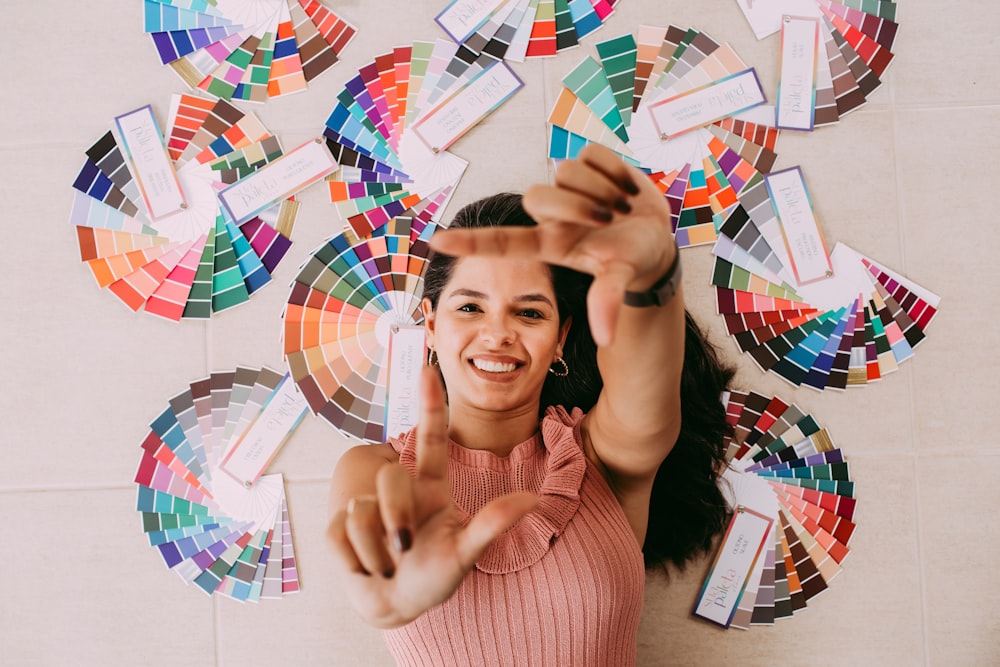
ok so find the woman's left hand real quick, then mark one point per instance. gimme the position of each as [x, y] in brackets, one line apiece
[602, 217]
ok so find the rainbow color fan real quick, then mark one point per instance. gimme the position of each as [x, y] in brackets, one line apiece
[793, 507]
[246, 49]
[823, 320]
[852, 41]
[205, 506]
[685, 109]
[346, 304]
[155, 218]
[516, 29]
[393, 122]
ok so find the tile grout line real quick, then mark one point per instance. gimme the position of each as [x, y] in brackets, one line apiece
[911, 389]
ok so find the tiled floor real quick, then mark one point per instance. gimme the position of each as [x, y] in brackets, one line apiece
[903, 180]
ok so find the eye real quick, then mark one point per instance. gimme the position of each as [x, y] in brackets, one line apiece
[532, 314]
[469, 308]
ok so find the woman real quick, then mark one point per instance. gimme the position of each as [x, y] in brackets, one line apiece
[489, 536]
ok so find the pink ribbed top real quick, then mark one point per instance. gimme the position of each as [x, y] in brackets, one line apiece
[562, 587]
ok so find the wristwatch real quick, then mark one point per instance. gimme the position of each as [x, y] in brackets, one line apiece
[663, 290]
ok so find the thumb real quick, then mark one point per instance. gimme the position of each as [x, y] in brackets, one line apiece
[604, 302]
[491, 521]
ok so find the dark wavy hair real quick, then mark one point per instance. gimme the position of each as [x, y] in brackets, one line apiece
[686, 507]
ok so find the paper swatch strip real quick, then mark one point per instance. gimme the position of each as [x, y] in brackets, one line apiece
[246, 49]
[393, 122]
[825, 321]
[519, 29]
[793, 498]
[346, 302]
[218, 533]
[157, 217]
[685, 108]
[854, 49]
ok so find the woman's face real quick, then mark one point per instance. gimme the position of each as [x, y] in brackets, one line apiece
[496, 333]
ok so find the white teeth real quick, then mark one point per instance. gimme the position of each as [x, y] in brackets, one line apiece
[493, 366]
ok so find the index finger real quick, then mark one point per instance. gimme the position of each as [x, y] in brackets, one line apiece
[609, 163]
[432, 429]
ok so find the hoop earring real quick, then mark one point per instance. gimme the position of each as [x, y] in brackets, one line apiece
[562, 372]
[432, 357]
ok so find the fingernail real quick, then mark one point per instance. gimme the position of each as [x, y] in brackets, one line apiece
[404, 540]
[623, 206]
[388, 574]
[601, 214]
[630, 187]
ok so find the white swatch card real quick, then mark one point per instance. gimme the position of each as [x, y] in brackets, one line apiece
[407, 351]
[705, 105]
[292, 172]
[738, 556]
[142, 141]
[804, 242]
[764, 16]
[461, 18]
[796, 103]
[460, 111]
[250, 454]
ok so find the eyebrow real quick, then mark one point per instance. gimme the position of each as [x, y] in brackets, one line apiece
[522, 298]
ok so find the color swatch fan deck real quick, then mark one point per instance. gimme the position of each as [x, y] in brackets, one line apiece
[246, 49]
[845, 48]
[815, 318]
[205, 505]
[682, 107]
[346, 309]
[519, 29]
[156, 216]
[393, 122]
[794, 503]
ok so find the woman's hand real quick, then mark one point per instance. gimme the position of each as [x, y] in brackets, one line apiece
[601, 217]
[403, 550]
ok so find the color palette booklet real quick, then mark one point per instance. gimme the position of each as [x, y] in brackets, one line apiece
[192, 221]
[353, 308]
[519, 29]
[246, 49]
[833, 54]
[794, 505]
[825, 320]
[393, 123]
[205, 505]
[684, 108]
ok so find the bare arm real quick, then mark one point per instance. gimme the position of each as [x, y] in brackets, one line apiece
[607, 219]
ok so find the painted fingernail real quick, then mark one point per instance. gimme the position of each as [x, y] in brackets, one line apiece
[404, 540]
[600, 214]
[623, 206]
[630, 187]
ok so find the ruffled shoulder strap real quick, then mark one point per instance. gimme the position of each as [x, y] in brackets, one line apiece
[560, 454]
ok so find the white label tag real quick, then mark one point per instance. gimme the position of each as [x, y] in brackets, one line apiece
[407, 351]
[278, 180]
[807, 251]
[468, 105]
[796, 104]
[142, 140]
[707, 104]
[250, 453]
[741, 547]
[461, 18]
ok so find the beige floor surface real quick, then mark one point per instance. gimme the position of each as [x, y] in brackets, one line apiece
[907, 180]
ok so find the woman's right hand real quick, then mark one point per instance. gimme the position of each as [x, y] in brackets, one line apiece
[403, 549]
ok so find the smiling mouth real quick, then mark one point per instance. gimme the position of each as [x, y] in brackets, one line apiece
[493, 366]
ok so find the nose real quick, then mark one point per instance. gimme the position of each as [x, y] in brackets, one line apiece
[497, 330]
